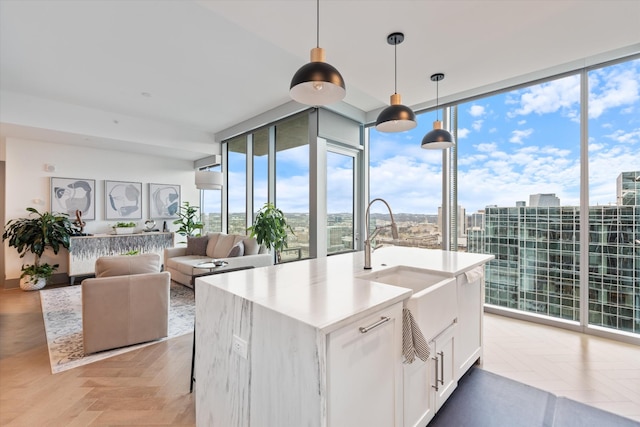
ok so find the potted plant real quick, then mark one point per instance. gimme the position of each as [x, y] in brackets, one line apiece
[124, 227]
[188, 220]
[35, 234]
[270, 229]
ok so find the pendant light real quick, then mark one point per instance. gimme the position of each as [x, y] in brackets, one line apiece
[438, 138]
[317, 83]
[208, 180]
[396, 117]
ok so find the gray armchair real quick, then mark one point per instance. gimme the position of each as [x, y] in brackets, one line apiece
[126, 303]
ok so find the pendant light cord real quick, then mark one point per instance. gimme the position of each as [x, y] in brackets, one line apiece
[395, 69]
[437, 97]
[317, 23]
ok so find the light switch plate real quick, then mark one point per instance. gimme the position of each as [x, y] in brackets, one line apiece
[240, 347]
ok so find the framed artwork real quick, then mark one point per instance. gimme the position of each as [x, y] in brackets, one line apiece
[69, 195]
[164, 201]
[122, 200]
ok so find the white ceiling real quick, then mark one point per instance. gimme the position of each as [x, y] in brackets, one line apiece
[209, 65]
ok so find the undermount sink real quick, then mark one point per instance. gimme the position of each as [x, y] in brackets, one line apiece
[413, 278]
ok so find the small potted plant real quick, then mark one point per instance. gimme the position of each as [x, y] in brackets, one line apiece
[35, 234]
[124, 227]
[270, 229]
[188, 220]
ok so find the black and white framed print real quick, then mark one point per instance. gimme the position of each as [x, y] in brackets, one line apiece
[123, 200]
[69, 195]
[164, 201]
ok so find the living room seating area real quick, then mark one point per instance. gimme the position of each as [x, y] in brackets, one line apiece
[234, 250]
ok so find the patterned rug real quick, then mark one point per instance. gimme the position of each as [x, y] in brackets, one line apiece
[62, 312]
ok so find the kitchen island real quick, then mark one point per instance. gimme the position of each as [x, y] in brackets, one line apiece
[308, 343]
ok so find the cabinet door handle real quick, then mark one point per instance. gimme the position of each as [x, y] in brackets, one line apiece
[365, 329]
[436, 378]
[441, 367]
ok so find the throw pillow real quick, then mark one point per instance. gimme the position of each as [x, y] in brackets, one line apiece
[236, 250]
[251, 246]
[197, 245]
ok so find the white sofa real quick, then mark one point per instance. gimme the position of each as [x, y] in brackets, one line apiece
[236, 250]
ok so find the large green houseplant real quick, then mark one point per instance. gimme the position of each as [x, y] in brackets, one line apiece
[270, 229]
[35, 234]
[189, 220]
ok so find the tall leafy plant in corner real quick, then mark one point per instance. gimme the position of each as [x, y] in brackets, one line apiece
[189, 220]
[35, 234]
[270, 228]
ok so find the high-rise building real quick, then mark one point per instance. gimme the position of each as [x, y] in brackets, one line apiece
[628, 188]
[541, 200]
[537, 264]
[462, 223]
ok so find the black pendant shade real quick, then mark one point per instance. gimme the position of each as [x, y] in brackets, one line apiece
[396, 117]
[317, 83]
[438, 138]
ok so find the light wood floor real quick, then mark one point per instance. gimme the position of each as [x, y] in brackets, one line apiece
[150, 386]
[592, 370]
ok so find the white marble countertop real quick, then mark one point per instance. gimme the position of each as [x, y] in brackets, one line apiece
[327, 293]
[447, 262]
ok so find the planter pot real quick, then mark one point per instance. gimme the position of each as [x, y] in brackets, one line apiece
[26, 284]
[124, 230]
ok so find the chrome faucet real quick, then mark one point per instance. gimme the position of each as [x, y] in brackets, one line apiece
[367, 242]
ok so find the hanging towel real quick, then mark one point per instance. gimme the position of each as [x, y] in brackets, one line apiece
[413, 342]
[475, 274]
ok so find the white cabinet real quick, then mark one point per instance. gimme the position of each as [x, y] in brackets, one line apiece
[470, 304]
[427, 385]
[450, 317]
[364, 371]
[445, 381]
[419, 396]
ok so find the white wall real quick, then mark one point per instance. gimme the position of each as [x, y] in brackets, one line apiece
[28, 184]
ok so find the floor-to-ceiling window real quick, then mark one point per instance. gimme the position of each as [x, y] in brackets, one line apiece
[292, 182]
[614, 196]
[519, 166]
[340, 199]
[409, 178]
[211, 208]
[237, 185]
[522, 194]
[260, 169]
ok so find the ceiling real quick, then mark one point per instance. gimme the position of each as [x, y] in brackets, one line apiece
[172, 76]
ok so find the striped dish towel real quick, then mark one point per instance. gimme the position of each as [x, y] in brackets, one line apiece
[413, 342]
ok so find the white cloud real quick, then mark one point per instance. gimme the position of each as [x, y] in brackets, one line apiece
[486, 147]
[620, 88]
[522, 122]
[518, 135]
[408, 184]
[471, 160]
[477, 111]
[625, 137]
[477, 125]
[463, 133]
[562, 94]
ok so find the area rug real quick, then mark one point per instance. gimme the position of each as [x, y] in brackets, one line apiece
[62, 312]
[485, 399]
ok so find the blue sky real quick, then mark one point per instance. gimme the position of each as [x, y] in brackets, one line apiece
[519, 143]
[510, 146]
